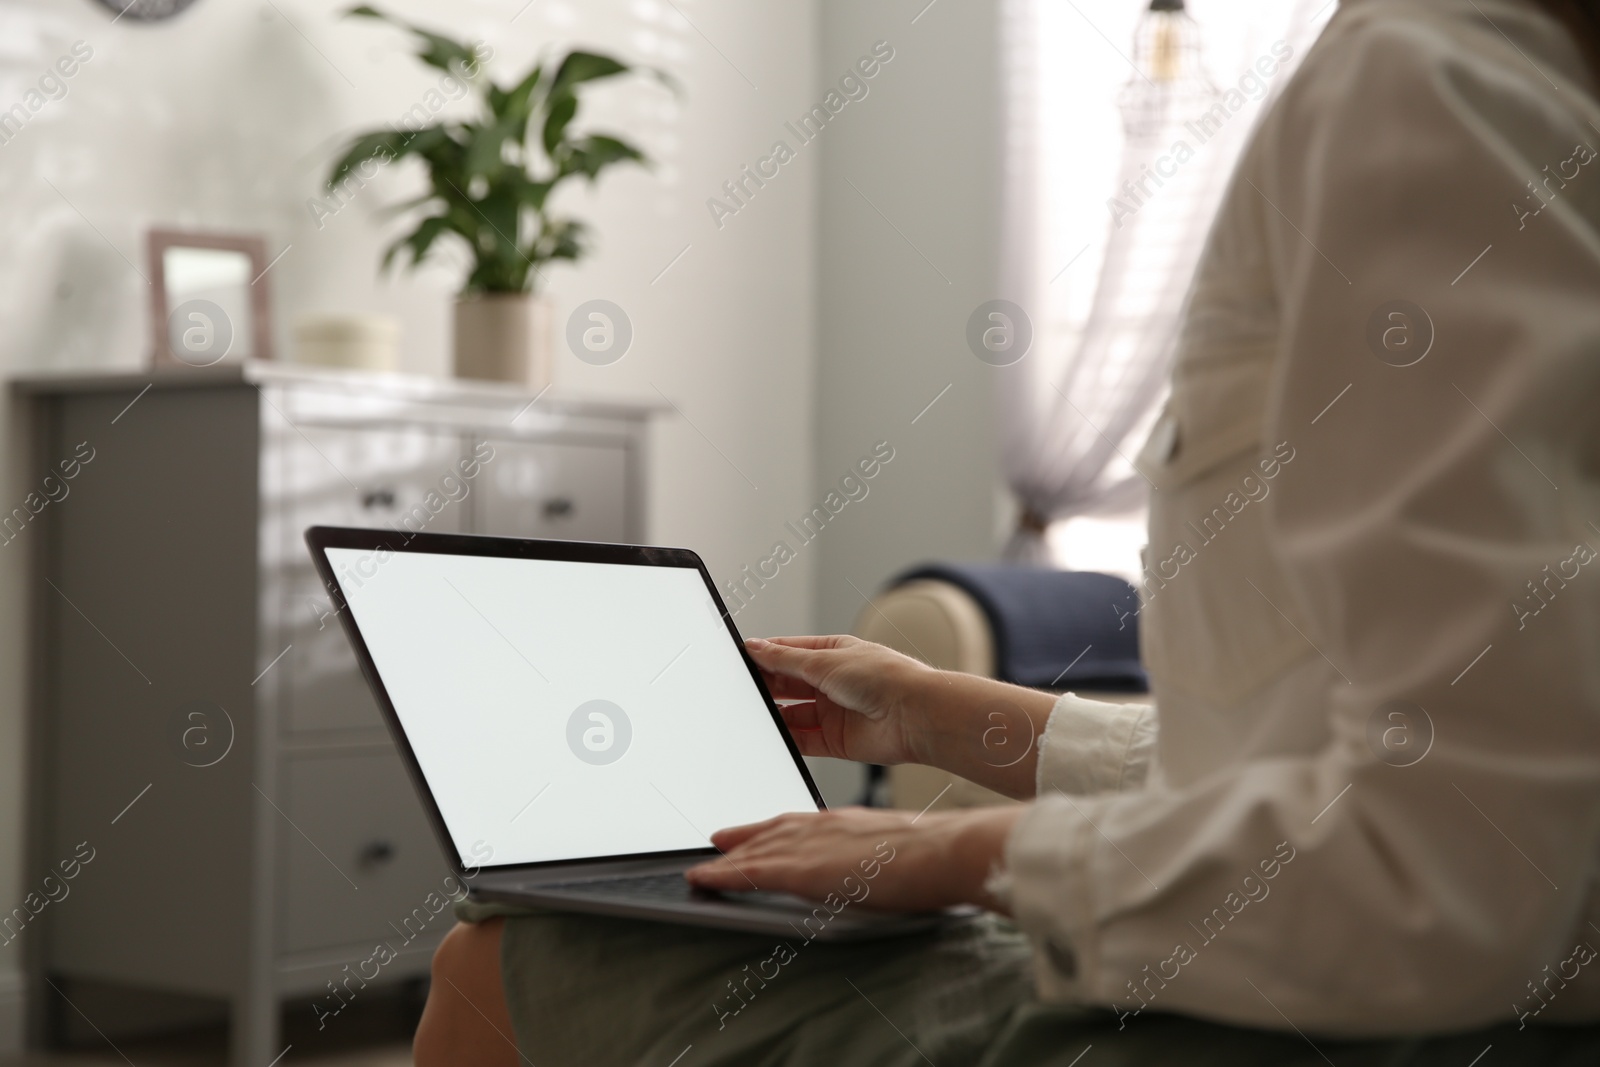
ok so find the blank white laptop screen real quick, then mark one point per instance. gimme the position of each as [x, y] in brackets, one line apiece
[563, 710]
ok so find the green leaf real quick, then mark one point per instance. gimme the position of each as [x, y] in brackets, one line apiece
[563, 107]
[517, 100]
[562, 239]
[595, 153]
[446, 154]
[436, 51]
[527, 192]
[427, 139]
[486, 151]
[385, 146]
[420, 240]
[444, 53]
[502, 210]
[582, 67]
[490, 220]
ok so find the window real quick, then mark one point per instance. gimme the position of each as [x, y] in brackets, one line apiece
[1118, 154]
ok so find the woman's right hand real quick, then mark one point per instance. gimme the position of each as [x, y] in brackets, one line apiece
[864, 702]
[858, 700]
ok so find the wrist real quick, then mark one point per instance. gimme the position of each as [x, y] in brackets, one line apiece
[927, 694]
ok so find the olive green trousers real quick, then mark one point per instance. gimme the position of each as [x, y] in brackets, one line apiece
[587, 991]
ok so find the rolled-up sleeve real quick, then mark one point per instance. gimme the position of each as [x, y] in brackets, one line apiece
[1438, 534]
[1094, 746]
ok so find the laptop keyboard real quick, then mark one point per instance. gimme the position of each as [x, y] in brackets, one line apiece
[652, 888]
[669, 888]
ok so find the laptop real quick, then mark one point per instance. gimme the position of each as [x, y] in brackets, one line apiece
[577, 719]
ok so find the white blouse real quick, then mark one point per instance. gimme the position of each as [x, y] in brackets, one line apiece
[1372, 614]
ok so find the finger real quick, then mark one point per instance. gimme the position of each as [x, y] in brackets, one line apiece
[757, 834]
[783, 687]
[812, 741]
[805, 729]
[802, 717]
[805, 664]
[814, 641]
[723, 875]
[734, 836]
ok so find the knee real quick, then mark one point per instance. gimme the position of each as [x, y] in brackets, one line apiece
[466, 1020]
[467, 951]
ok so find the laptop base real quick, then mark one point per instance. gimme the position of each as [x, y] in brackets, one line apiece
[661, 895]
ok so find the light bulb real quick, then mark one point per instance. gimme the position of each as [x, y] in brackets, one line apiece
[1164, 53]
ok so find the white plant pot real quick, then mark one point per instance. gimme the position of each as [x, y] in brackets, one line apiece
[505, 337]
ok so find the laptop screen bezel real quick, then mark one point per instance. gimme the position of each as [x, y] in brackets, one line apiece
[320, 538]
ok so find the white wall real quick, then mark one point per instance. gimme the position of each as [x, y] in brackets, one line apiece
[226, 119]
[909, 247]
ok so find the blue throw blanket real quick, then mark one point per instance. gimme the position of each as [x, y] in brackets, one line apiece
[1053, 629]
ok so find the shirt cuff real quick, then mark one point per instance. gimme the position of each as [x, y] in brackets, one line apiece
[1088, 747]
[1051, 896]
[1091, 746]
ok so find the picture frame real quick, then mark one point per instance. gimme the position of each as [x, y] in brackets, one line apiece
[209, 298]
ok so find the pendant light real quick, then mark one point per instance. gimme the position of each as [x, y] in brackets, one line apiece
[1170, 76]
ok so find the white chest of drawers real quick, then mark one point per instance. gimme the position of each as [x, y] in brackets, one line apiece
[196, 716]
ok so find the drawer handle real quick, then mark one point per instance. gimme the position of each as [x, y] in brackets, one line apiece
[376, 852]
[558, 507]
[378, 498]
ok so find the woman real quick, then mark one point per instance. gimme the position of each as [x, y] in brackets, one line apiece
[1372, 807]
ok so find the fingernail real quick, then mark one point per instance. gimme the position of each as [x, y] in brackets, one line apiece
[756, 643]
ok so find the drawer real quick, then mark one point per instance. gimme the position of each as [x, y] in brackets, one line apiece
[359, 814]
[408, 478]
[576, 492]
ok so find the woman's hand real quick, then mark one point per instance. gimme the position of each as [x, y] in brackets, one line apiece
[864, 702]
[859, 701]
[883, 860]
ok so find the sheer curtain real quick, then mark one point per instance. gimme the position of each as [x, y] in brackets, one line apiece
[1115, 162]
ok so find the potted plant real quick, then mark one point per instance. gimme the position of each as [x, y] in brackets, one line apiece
[490, 181]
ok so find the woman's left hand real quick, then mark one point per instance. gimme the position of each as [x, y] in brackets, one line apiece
[884, 860]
